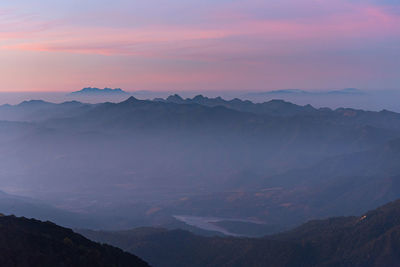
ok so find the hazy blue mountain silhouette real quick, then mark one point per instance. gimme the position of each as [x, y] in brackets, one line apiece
[183, 158]
[97, 91]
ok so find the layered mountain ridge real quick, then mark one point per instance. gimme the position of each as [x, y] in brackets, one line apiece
[144, 162]
[372, 239]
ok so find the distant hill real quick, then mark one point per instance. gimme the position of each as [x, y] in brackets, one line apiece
[297, 92]
[348, 91]
[97, 91]
[287, 91]
[39, 110]
[28, 242]
[372, 239]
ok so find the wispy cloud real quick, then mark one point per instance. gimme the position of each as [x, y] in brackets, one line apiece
[368, 21]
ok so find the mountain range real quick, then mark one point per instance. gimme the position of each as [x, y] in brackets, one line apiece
[149, 162]
[372, 239]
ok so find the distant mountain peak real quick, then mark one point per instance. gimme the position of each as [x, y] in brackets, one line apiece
[199, 97]
[175, 98]
[98, 91]
[131, 99]
[34, 103]
[237, 100]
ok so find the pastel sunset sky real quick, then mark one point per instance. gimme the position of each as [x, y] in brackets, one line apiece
[48, 45]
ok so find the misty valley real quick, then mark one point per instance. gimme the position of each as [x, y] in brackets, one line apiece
[215, 169]
[141, 162]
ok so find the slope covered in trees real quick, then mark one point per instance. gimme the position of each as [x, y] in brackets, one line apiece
[28, 242]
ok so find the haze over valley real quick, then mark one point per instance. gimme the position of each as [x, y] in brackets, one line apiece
[259, 168]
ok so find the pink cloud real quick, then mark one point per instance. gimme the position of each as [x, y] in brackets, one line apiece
[109, 41]
[231, 48]
[166, 40]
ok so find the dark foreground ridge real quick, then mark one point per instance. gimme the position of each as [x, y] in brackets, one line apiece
[370, 240]
[29, 242]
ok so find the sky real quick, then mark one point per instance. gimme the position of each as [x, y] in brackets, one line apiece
[166, 45]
